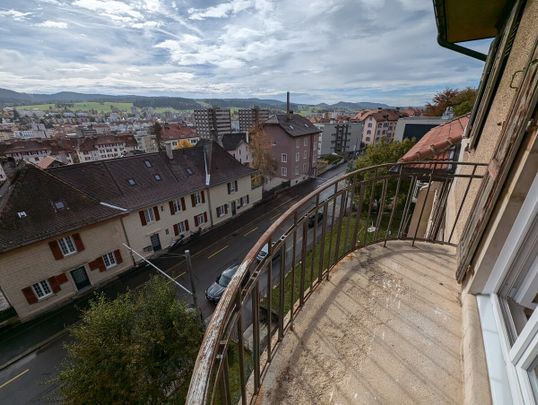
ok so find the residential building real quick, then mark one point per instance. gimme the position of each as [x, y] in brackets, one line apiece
[415, 126]
[442, 314]
[378, 124]
[178, 135]
[237, 146]
[342, 138]
[101, 147]
[211, 123]
[146, 142]
[56, 242]
[293, 146]
[34, 150]
[249, 117]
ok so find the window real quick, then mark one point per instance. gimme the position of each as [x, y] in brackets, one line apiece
[149, 215]
[110, 260]
[157, 177]
[21, 214]
[196, 198]
[296, 143]
[304, 168]
[200, 219]
[284, 158]
[243, 201]
[305, 142]
[42, 289]
[59, 205]
[183, 226]
[284, 171]
[304, 153]
[222, 210]
[296, 170]
[297, 156]
[367, 139]
[147, 163]
[175, 206]
[232, 187]
[131, 182]
[67, 246]
[369, 125]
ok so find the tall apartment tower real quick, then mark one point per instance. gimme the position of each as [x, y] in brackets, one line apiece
[248, 117]
[212, 123]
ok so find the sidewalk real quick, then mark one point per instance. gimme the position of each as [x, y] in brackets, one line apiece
[18, 340]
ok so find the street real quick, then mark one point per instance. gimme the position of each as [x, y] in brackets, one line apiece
[28, 380]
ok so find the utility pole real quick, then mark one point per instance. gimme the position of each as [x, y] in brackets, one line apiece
[193, 287]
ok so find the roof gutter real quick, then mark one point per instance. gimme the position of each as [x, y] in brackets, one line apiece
[461, 49]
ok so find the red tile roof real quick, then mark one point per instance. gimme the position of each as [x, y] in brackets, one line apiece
[438, 141]
[174, 131]
[379, 115]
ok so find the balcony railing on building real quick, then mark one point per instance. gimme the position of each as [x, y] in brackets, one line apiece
[416, 201]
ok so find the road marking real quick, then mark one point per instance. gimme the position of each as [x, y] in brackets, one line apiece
[217, 252]
[175, 278]
[252, 230]
[14, 378]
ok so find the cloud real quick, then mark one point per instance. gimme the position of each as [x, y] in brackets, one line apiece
[320, 50]
[53, 24]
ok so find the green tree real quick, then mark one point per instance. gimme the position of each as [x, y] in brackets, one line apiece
[460, 100]
[139, 348]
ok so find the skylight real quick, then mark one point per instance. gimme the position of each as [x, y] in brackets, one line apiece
[22, 214]
[131, 182]
[59, 205]
[147, 163]
[189, 171]
[157, 177]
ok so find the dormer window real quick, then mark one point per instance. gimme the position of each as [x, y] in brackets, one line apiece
[59, 205]
[131, 182]
[189, 171]
[21, 214]
[147, 163]
[157, 177]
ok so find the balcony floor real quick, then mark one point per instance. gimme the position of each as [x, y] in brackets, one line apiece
[386, 328]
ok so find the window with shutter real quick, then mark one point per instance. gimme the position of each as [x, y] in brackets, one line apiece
[78, 242]
[176, 229]
[183, 203]
[156, 213]
[29, 294]
[67, 245]
[142, 218]
[55, 249]
[42, 289]
[117, 255]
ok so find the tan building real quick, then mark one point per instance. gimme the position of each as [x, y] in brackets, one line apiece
[378, 124]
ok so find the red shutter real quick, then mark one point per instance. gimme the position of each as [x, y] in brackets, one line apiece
[62, 278]
[101, 264]
[142, 218]
[186, 224]
[78, 242]
[172, 209]
[193, 200]
[196, 221]
[236, 188]
[205, 216]
[176, 229]
[55, 248]
[94, 265]
[183, 203]
[117, 255]
[203, 196]
[54, 284]
[156, 212]
[229, 188]
[29, 295]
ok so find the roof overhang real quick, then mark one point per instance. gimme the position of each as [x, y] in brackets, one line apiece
[466, 20]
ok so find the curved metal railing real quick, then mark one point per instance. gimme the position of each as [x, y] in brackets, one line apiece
[416, 201]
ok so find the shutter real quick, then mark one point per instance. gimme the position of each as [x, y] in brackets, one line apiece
[236, 188]
[186, 224]
[156, 212]
[248, 199]
[61, 279]
[117, 256]
[226, 208]
[78, 242]
[193, 200]
[142, 218]
[176, 229]
[29, 294]
[172, 208]
[183, 203]
[196, 220]
[205, 216]
[55, 249]
[203, 196]
[94, 264]
[514, 130]
[54, 284]
[101, 264]
[229, 188]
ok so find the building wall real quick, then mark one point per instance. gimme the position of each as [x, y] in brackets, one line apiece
[22, 267]
[425, 124]
[219, 196]
[242, 153]
[326, 143]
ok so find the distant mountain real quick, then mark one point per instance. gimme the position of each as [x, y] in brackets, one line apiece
[13, 98]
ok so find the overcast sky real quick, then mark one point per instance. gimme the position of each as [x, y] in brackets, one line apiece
[319, 50]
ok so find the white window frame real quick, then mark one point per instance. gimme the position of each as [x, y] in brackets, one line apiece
[297, 156]
[149, 215]
[304, 154]
[40, 289]
[284, 157]
[296, 170]
[177, 205]
[181, 227]
[231, 186]
[222, 210]
[201, 219]
[284, 171]
[67, 246]
[197, 198]
[110, 260]
[305, 143]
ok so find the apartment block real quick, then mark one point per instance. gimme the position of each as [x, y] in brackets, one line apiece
[249, 117]
[341, 138]
[212, 123]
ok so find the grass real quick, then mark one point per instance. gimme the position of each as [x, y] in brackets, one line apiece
[234, 372]
[104, 107]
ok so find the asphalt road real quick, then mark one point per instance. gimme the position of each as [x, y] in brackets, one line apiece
[29, 380]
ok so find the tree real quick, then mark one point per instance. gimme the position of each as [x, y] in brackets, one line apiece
[260, 144]
[184, 143]
[460, 100]
[384, 152]
[139, 348]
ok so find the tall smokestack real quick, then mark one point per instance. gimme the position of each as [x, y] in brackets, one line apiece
[288, 112]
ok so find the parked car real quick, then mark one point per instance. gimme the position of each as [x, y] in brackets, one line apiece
[312, 219]
[215, 290]
[265, 250]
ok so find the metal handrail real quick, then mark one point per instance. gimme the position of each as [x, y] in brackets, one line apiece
[227, 327]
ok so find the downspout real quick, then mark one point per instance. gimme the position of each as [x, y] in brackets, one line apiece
[127, 240]
[208, 182]
[461, 49]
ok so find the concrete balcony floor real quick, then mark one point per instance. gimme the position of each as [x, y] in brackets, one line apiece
[385, 329]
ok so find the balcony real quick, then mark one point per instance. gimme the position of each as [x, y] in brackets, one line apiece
[356, 300]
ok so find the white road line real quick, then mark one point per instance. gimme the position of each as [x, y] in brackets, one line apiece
[14, 378]
[217, 252]
[252, 230]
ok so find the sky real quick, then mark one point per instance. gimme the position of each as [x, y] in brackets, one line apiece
[319, 50]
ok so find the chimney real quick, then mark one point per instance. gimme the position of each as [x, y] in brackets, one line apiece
[288, 112]
[169, 152]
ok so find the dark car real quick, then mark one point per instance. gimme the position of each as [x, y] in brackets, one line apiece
[312, 219]
[215, 290]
